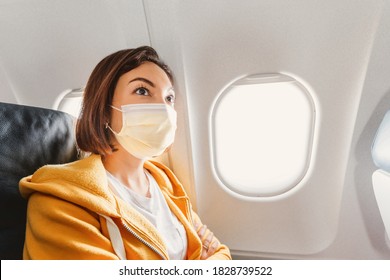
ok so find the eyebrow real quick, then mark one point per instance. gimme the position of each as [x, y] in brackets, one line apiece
[143, 80]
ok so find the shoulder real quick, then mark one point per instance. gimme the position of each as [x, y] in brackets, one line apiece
[80, 172]
[41, 205]
[83, 167]
[82, 182]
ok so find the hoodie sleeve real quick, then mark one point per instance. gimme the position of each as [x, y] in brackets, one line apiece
[60, 230]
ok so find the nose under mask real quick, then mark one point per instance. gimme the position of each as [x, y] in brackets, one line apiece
[147, 129]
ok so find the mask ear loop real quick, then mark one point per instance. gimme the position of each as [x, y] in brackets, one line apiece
[106, 125]
[113, 107]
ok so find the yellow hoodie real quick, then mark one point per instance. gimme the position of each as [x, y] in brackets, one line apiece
[68, 206]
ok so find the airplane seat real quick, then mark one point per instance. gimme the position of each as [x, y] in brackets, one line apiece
[30, 137]
[381, 177]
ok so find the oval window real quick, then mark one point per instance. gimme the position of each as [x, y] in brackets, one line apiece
[70, 102]
[261, 135]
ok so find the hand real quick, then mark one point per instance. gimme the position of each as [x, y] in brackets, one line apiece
[209, 242]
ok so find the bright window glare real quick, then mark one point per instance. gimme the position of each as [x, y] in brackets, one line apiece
[70, 102]
[262, 135]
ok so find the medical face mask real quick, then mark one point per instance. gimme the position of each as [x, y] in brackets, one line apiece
[147, 129]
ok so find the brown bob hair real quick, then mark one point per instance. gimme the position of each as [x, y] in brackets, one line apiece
[91, 133]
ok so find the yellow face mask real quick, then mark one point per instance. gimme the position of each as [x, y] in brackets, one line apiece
[147, 129]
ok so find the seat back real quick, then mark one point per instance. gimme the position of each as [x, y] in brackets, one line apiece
[30, 137]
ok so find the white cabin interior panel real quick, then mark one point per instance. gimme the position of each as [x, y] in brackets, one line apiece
[48, 46]
[326, 46]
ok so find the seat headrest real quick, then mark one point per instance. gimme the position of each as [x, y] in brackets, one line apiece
[380, 150]
[30, 137]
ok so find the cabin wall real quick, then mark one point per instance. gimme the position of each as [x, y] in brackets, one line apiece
[48, 46]
[360, 218]
[328, 48]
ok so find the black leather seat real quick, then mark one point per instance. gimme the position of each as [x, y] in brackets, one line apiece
[30, 137]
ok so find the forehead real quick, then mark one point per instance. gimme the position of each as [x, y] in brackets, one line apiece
[150, 71]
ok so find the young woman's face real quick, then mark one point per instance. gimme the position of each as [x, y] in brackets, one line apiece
[147, 83]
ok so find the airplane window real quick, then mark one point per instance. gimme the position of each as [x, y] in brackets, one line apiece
[70, 102]
[261, 135]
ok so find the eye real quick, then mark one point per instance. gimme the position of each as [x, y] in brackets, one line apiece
[142, 91]
[171, 98]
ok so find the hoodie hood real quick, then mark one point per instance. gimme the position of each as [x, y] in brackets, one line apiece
[83, 187]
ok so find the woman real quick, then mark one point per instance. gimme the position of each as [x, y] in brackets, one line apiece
[116, 203]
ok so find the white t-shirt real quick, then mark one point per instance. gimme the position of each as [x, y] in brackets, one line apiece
[157, 211]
